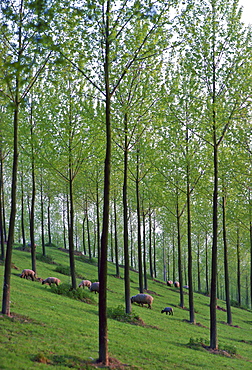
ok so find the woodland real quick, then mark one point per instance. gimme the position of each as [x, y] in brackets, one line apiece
[125, 134]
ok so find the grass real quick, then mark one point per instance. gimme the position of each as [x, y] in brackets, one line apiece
[56, 331]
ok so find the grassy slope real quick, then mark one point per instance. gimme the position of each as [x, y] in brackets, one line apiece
[65, 331]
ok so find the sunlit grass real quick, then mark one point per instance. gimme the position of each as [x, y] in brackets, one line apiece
[55, 331]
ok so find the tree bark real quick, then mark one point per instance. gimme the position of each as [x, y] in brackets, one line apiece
[228, 305]
[139, 241]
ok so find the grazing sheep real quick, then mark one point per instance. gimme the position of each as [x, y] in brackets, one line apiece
[27, 273]
[51, 280]
[176, 284]
[168, 310]
[94, 287]
[186, 287]
[142, 299]
[169, 282]
[85, 283]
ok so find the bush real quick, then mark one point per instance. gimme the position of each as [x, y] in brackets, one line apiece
[78, 294]
[65, 270]
[46, 259]
[119, 314]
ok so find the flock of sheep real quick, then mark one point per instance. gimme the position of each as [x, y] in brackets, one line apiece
[140, 298]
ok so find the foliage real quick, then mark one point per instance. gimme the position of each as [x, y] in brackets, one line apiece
[78, 294]
[118, 313]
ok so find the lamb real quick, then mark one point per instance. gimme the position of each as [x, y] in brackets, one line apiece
[168, 310]
[85, 283]
[94, 287]
[169, 282]
[176, 284]
[27, 273]
[51, 280]
[142, 299]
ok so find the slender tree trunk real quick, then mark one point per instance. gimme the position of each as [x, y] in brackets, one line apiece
[207, 278]
[89, 239]
[32, 213]
[111, 237]
[198, 264]
[22, 211]
[150, 245]
[1, 198]
[103, 327]
[42, 216]
[189, 241]
[139, 242]
[49, 221]
[71, 229]
[250, 263]
[178, 215]
[144, 254]
[238, 269]
[154, 248]
[10, 241]
[228, 305]
[116, 242]
[173, 257]
[125, 219]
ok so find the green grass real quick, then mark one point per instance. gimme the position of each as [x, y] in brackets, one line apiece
[54, 331]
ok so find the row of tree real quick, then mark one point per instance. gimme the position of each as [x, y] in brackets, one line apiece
[134, 118]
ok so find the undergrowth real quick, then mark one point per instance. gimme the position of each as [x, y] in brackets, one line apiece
[78, 294]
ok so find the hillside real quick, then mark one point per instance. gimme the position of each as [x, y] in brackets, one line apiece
[50, 331]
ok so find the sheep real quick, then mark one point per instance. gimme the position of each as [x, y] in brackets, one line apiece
[168, 310]
[94, 287]
[85, 283]
[51, 280]
[176, 284]
[27, 273]
[169, 282]
[186, 287]
[142, 299]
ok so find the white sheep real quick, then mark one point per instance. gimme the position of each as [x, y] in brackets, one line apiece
[85, 283]
[51, 280]
[26, 273]
[142, 299]
[176, 284]
[168, 310]
[95, 287]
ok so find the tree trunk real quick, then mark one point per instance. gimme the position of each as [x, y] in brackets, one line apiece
[238, 269]
[207, 278]
[189, 243]
[125, 220]
[32, 214]
[49, 221]
[103, 327]
[228, 305]
[22, 211]
[116, 242]
[178, 215]
[198, 264]
[150, 245]
[144, 254]
[139, 242]
[10, 241]
[89, 239]
[42, 216]
[71, 229]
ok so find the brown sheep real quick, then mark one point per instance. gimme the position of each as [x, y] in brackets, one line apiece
[51, 280]
[142, 299]
[84, 283]
[27, 273]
